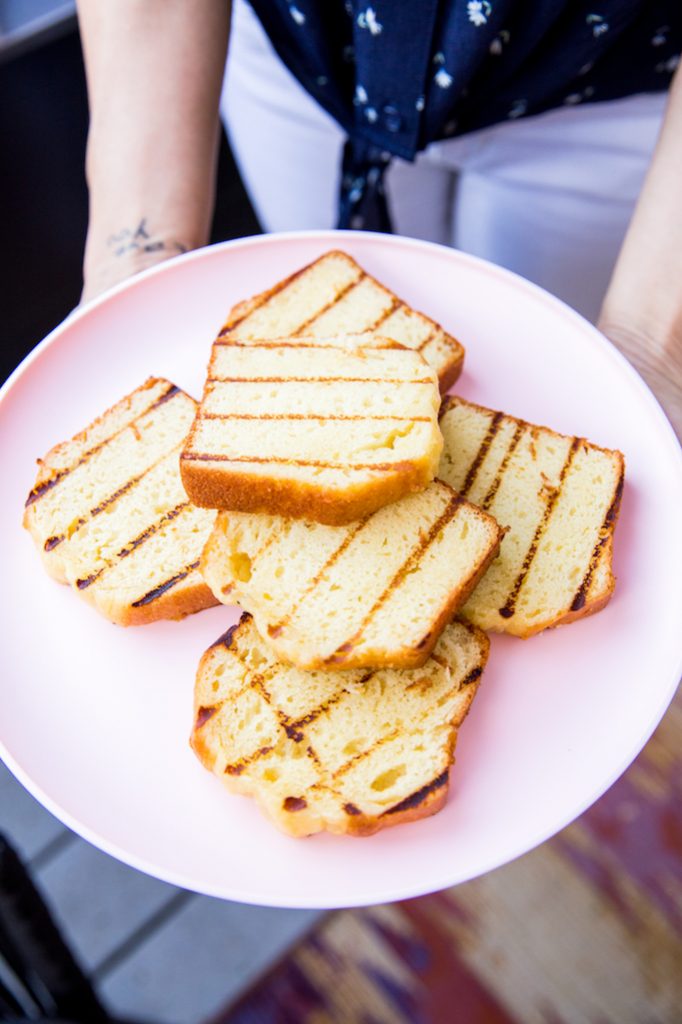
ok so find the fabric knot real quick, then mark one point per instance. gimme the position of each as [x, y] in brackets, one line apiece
[362, 200]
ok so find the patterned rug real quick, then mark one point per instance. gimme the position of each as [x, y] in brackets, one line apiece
[585, 929]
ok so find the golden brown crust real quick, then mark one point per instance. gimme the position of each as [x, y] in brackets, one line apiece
[301, 824]
[301, 819]
[447, 373]
[183, 600]
[208, 486]
[594, 599]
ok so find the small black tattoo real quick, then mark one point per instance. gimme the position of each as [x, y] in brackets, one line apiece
[140, 240]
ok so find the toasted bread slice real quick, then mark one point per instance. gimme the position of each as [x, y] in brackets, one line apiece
[558, 498]
[109, 515]
[375, 593]
[334, 295]
[318, 429]
[350, 752]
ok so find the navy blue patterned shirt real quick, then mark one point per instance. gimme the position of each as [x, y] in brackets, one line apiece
[399, 74]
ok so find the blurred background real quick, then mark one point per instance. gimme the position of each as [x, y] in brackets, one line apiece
[584, 929]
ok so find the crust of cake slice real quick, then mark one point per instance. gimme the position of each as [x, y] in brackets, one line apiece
[316, 440]
[209, 486]
[378, 592]
[349, 753]
[439, 348]
[558, 498]
[186, 597]
[109, 516]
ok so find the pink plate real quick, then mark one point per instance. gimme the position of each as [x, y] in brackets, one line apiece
[95, 719]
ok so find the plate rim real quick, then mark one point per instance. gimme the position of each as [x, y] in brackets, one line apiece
[252, 896]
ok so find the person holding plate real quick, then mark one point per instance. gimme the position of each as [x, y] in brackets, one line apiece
[545, 137]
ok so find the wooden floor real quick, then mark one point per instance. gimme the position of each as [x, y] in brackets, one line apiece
[586, 929]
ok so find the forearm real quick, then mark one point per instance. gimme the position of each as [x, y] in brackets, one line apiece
[642, 311]
[154, 71]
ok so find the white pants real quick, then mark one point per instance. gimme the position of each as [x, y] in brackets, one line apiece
[549, 197]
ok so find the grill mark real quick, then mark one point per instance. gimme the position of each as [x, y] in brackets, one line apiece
[475, 674]
[172, 390]
[429, 337]
[495, 486]
[257, 683]
[319, 380]
[52, 542]
[389, 311]
[167, 517]
[237, 767]
[157, 592]
[484, 447]
[351, 809]
[228, 636]
[280, 460]
[509, 607]
[261, 300]
[412, 559]
[296, 725]
[337, 298]
[415, 799]
[86, 581]
[578, 601]
[294, 803]
[275, 629]
[365, 753]
[293, 733]
[40, 489]
[305, 416]
[204, 714]
[313, 757]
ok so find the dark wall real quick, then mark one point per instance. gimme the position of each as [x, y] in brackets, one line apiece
[43, 204]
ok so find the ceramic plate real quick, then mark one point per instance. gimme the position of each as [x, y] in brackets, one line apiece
[95, 719]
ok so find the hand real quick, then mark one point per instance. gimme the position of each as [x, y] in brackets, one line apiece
[154, 72]
[658, 361]
[124, 253]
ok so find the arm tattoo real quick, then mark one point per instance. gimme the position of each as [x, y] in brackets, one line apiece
[140, 240]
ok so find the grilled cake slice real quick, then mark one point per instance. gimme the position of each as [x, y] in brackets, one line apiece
[110, 517]
[558, 498]
[314, 428]
[334, 295]
[377, 592]
[350, 752]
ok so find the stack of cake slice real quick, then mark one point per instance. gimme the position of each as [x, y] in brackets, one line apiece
[369, 532]
[336, 701]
